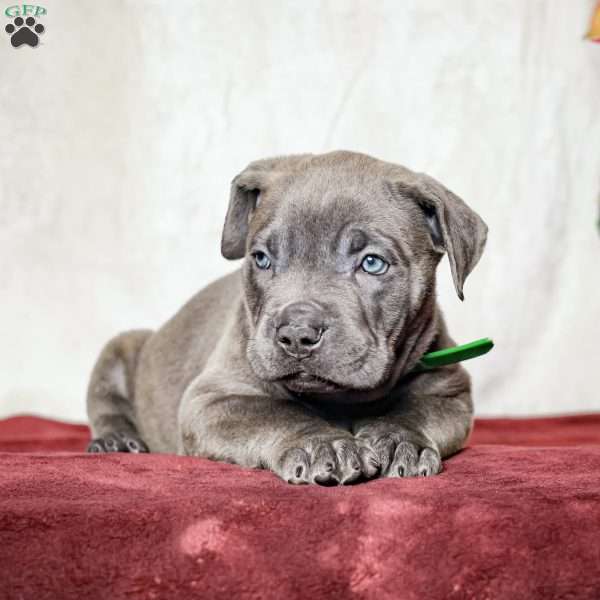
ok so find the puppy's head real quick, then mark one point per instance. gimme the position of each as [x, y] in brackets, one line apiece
[340, 255]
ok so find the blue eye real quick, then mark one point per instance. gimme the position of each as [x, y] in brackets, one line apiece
[373, 265]
[262, 260]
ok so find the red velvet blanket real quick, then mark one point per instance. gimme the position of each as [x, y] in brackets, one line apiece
[515, 515]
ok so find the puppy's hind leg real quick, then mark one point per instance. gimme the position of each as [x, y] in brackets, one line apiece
[110, 398]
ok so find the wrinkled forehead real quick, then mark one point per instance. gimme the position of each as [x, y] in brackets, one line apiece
[322, 214]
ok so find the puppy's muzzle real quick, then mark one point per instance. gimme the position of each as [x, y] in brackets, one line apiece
[300, 328]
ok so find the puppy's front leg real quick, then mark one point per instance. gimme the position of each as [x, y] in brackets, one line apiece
[248, 428]
[430, 418]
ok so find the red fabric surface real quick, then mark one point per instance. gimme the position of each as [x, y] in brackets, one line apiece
[515, 515]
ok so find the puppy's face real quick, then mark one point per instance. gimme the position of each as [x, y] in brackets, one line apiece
[339, 263]
[332, 276]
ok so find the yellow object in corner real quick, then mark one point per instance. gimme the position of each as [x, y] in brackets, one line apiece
[594, 32]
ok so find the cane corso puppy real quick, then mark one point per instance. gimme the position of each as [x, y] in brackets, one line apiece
[303, 361]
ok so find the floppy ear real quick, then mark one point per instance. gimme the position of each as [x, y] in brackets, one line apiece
[246, 189]
[454, 227]
[243, 200]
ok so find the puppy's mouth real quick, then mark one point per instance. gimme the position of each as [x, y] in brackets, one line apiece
[303, 382]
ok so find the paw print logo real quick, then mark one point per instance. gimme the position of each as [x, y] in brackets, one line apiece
[24, 32]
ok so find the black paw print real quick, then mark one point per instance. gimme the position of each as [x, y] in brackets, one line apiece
[20, 34]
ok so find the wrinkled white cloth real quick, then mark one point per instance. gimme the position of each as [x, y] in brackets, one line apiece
[122, 130]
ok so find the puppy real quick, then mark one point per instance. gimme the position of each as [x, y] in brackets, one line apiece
[302, 361]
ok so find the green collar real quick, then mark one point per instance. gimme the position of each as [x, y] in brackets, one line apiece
[448, 356]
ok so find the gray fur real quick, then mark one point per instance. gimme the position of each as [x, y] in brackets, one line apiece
[305, 368]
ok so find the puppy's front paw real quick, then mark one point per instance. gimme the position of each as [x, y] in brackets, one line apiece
[400, 457]
[328, 462]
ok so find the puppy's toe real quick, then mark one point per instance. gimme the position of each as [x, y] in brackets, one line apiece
[324, 465]
[350, 466]
[406, 459]
[430, 462]
[371, 464]
[294, 466]
[135, 445]
[115, 443]
[97, 446]
[384, 448]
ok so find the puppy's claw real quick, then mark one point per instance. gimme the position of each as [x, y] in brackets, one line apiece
[117, 442]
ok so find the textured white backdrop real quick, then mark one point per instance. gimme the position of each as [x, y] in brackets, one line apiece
[119, 135]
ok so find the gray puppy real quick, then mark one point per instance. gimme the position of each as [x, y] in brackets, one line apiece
[302, 361]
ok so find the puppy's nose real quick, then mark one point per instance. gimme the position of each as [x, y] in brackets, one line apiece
[300, 329]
